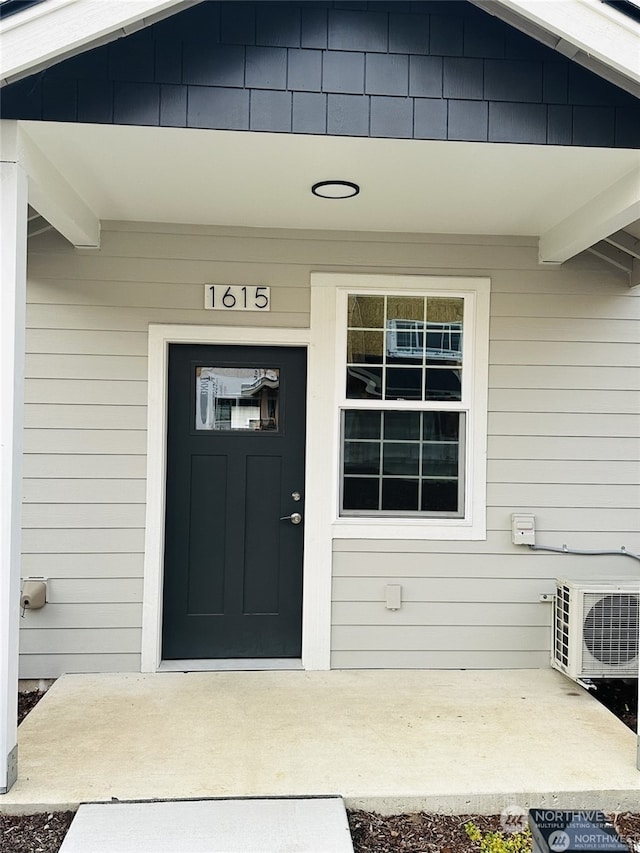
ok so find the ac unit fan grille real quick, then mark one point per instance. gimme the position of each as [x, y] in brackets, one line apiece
[610, 629]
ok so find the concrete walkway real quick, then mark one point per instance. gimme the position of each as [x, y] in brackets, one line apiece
[390, 741]
[211, 826]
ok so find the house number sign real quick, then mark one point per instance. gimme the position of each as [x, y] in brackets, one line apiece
[237, 297]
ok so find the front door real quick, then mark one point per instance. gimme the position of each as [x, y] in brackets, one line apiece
[234, 502]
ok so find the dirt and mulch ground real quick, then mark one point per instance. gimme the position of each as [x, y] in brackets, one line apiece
[621, 698]
[371, 833]
[38, 833]
[27, 702]
[429, 833]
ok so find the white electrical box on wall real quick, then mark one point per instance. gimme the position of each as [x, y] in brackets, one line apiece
[523, 529]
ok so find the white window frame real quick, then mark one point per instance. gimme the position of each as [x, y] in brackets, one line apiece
[329, 298]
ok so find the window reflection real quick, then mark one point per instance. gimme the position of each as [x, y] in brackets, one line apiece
[237, 398]
[404, 348]
[366, 312]
[364, 382]
[365, 347]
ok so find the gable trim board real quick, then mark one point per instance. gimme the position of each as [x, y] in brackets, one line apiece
[596, 36]
[55, 30]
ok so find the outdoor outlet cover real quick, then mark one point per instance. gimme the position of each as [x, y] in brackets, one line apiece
[523, 529]
[393, 596]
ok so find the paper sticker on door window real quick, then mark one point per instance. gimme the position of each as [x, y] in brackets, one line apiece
[237, 398]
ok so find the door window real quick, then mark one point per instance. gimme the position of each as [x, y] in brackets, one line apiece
[237, 398]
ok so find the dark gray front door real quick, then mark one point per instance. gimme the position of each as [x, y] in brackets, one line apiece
[235, 467]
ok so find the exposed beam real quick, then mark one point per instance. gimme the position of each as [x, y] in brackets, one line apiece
[50, 194]
[612, 256]
[56, 29]
[40, 228]
[634, 280]
[626, 242]
[610, 211]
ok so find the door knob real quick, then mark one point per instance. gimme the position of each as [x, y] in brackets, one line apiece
[294, 518]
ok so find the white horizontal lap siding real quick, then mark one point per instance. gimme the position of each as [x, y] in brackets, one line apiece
[440, 613]
[82, 540]
[87, 416]
[449, 572]
[85, 466]
[85, 424]
[79, 565]
[436, 638]
[32, 666]
[562, 443]
[564, 419]
[87, 490]
[86, 439]
[563, 426]
[561, 471]
[438, 659]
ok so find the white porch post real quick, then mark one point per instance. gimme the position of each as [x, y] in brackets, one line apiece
[13, 264]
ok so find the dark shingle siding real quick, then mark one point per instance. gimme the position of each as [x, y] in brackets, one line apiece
[432, 70]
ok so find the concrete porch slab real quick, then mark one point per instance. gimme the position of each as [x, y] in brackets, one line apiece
[212, 826]
[390, 741]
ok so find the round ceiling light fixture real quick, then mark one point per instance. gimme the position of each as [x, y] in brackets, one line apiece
[335, 189]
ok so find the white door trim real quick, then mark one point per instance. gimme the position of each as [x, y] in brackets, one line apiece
[316, 604]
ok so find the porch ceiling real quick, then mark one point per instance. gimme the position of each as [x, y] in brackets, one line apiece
[264, 180]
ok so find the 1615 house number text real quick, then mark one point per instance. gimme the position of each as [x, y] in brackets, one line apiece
[237, 297]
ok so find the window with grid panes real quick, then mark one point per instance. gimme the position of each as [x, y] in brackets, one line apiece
[404, 418]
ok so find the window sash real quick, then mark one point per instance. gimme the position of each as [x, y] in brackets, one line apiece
[404, 346]
[449, 342]
[385, 476]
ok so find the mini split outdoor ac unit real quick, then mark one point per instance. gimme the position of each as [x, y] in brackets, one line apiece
[595, 628]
